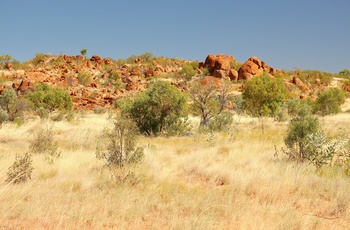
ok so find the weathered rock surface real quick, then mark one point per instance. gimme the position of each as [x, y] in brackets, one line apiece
[300, 84]
[252, 67]
[218, 66]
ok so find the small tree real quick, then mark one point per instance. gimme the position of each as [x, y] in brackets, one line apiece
[209, 100]
[329, 102]
[264, 96]
[83, 51]
[118, 145]
[8, 100]
[158, 108]
[13, 106]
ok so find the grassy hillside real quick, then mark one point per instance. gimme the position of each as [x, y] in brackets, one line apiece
[232, 180]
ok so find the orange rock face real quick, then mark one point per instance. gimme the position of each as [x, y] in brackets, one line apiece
[233, 75]
[248, 70]
[296, 81]
[96, 59]
[219, 65]
[210, 62]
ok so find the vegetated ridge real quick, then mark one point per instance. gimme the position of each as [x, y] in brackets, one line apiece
[98, 82]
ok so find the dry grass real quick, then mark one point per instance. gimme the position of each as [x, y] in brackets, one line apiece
[221, 181]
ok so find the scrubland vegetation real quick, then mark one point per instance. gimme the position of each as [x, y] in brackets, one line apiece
[224, 180]
[205, 157]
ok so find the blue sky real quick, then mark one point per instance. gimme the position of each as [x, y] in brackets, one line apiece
[308, 34]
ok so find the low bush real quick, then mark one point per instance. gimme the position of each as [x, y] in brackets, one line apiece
[118, 146]
[13, 106]
[48, 98]
[43, 143]
[189, 70]
[38, 59]
[329, 102]
[21, 170]
[84, 78]
[42, 113]
[157, 109]
[220, 122]
[298, 107]
[298, 130]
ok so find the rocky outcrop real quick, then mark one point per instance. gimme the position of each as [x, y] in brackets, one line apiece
[96, 58]
[218, 66]
[300, 84]
[233, 75]
[254, 67]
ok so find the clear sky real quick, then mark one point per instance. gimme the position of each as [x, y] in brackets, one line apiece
[309, 34]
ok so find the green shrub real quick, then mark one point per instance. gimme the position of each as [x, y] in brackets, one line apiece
[19, 121]
[221, 122]
[189, 70]
[21, 170]
[115, 79]
[319, 149]
[298, 107]
[4, 58]
[84, 78]
[180, 127]
[57, 117]
[70, 117]
[118, 145]
[206, 72]
[18, 65]
[42, 113]
[326, 78]
[8, 100]
[264, 96]
[298, 130]
[38, 59]
[13, 106]
[145, 57]
[329, 102]
[48, 98]
[156, 109]
[345, 73]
